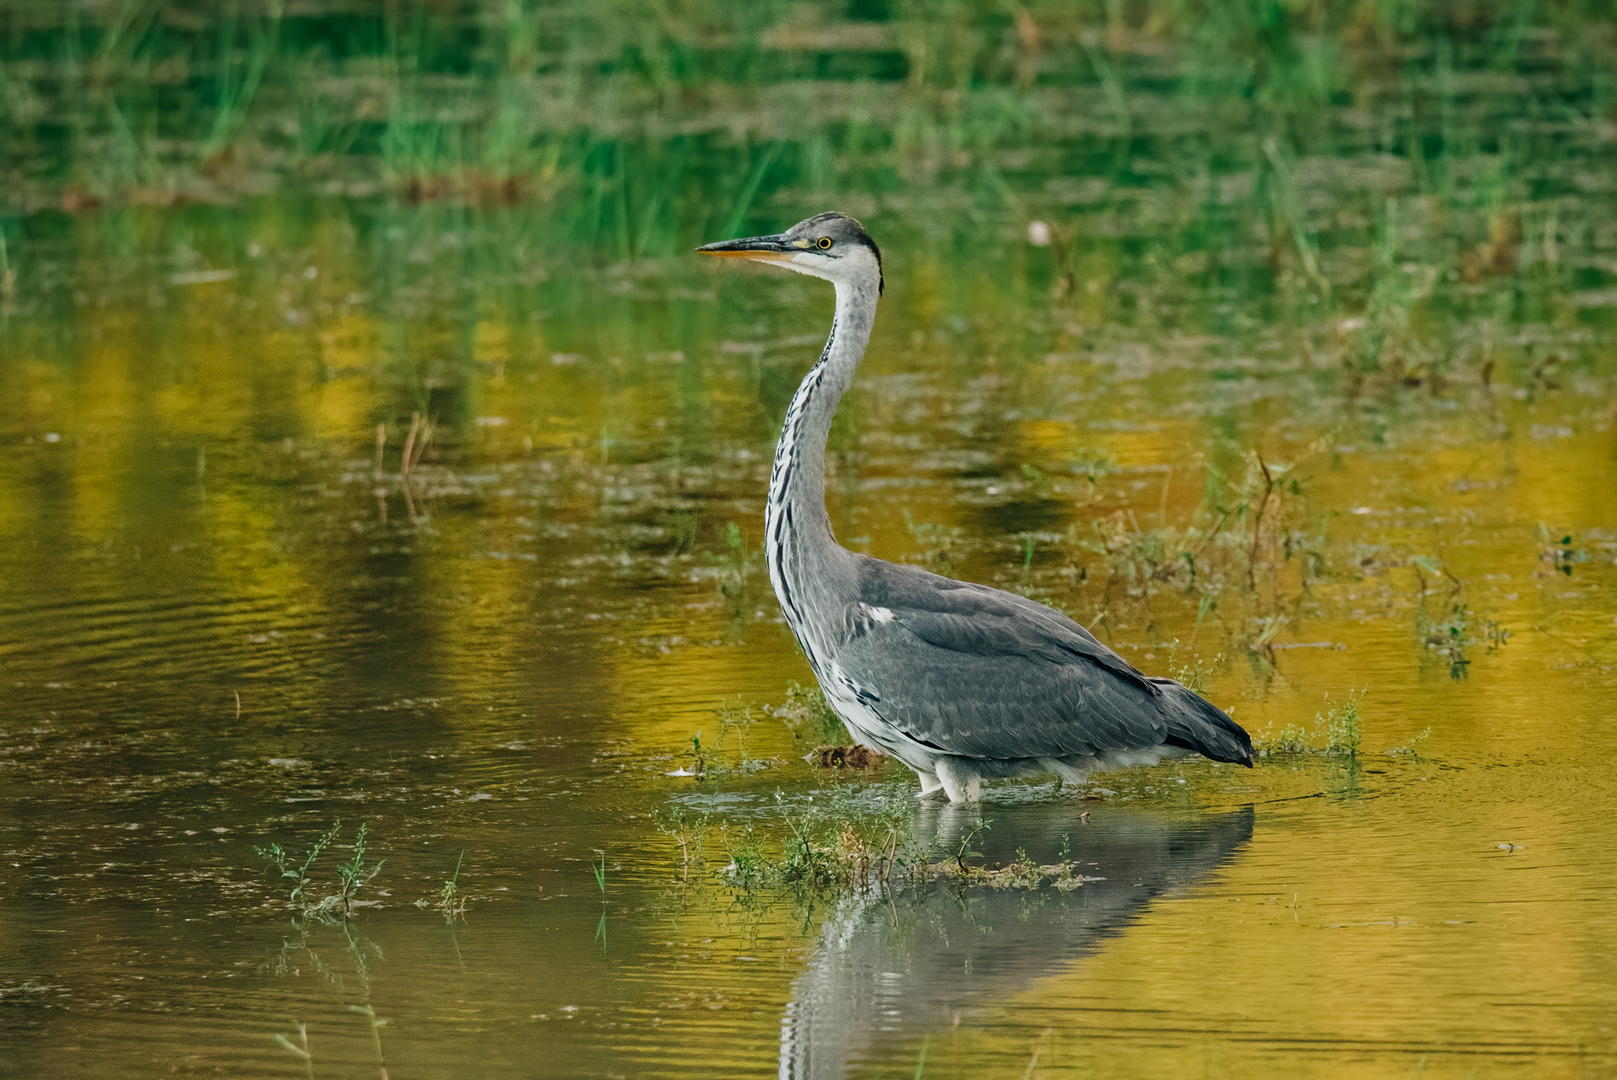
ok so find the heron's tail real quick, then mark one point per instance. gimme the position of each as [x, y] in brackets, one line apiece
[1197, 724]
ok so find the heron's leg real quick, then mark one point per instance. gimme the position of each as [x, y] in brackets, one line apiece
[929, 783]
[955, 782]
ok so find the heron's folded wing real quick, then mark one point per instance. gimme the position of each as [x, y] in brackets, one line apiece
[984, 673]
[998, 704]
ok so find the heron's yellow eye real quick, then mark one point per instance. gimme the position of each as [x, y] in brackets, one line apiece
[824, 242]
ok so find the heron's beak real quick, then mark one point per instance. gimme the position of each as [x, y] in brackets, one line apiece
[776, 248]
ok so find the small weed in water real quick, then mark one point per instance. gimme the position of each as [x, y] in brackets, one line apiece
[966, 849]
[838, 842]
[739, 719]
[598, 870]
[938, 543]
[298, 873]
[809, 716]
[1022, 873]
[687, 836]
[850, 839]
[1292, 739]
[748, 862]
[727, 755]
[1410, 748]
[1448, 636]
[735, 562]
[1194, 672]
[1559, 549]
[1341, 726]
[450, 900]
[1452, 633]
[352, 876]
[698, 758]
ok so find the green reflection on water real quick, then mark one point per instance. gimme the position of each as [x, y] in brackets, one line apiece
[1275, 343]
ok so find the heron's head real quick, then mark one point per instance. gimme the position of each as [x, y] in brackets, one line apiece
[830, 246]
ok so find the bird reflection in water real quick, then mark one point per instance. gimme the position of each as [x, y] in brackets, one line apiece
[887, 972]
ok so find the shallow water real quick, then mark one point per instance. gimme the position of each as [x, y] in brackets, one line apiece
[229, 619]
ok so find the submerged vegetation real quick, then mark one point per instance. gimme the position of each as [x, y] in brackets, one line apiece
[848, 839]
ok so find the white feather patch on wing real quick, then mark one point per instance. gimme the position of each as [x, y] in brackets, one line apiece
[876, 614]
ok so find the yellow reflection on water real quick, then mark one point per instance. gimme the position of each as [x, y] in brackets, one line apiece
[534, 623]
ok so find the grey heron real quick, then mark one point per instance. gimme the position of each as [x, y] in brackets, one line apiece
[959, 681]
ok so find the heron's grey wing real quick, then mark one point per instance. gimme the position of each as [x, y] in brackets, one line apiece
[984, 673]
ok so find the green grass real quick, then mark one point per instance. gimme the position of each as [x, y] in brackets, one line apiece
[568, 107]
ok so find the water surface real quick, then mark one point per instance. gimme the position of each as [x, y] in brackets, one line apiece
[228, 618]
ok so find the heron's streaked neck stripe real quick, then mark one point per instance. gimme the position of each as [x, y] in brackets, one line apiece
[799, 545]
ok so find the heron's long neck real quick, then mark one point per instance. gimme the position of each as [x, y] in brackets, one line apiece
[803, 554]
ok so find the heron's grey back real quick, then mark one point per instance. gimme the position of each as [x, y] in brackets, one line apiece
[982, 673]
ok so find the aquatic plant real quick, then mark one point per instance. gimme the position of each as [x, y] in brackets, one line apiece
[1561, 552]
[1194, 672]
[835, 840]
[809, 716]
[1448, 635]
[698, 758]
[1338, 731]
[748, 866]
[297, 872]
[851, 840]
[1341, 725]
[598, 871]
[1292, 739]
[1410, 747]
[688, 835]
[938, 543]
[451, 901]
[1246, 531]
[738, 718]
[352, 875]
[735, 562]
